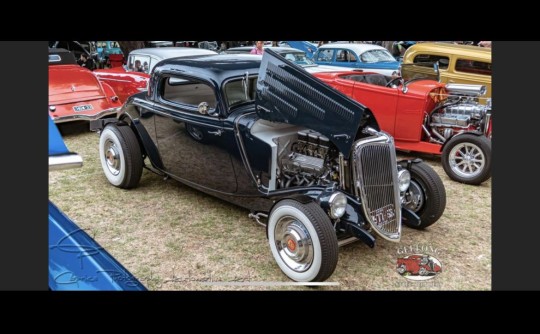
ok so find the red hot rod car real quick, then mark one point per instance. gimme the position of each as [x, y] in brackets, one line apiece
[74, 91]
[418, 265]
[427, 116]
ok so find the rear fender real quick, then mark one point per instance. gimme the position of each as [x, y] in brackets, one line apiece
[476, 133]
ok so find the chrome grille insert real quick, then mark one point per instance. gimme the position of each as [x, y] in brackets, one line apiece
[375, 179]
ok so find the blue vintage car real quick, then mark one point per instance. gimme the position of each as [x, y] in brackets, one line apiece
[262, 133]
[370, 57]
[308, 47]
[76, 261]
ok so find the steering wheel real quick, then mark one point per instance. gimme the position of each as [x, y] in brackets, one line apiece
[391, 82]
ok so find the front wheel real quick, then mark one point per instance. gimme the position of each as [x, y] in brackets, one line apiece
[120, 156]
[466, 158]
[426, 195]
[303, 241]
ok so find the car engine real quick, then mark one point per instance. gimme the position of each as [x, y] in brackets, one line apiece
[460, 112]
[308, 161]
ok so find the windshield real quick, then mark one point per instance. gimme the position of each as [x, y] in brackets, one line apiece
[374, 56]
[298, 58]
[418, 71]
[238, 91]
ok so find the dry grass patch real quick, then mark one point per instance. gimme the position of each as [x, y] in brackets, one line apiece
[172, 237]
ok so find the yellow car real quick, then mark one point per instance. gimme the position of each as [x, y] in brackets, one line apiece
[464, 64]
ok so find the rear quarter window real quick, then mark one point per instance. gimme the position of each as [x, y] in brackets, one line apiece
[443, 60]
[473, 66]
[187, 92]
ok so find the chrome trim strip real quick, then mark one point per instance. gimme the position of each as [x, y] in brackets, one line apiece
[341, 171]
[108, 79]
[83, 117]
[65, 161]
[187, 120]
[347, 241]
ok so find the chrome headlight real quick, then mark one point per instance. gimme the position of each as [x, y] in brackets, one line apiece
[338, 204]
[404, 179]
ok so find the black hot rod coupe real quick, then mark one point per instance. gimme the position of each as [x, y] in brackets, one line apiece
[264, 134]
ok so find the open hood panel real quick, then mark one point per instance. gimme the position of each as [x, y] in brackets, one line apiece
[287, 93]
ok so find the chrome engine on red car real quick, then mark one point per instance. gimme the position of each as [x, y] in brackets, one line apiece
[461, 111]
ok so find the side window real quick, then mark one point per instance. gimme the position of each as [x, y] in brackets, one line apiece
[472, 66]
[345, 56]
[139, 63]
[342, 56]
[188, 92]
[443, 60]
[236, 91]
[325, 55]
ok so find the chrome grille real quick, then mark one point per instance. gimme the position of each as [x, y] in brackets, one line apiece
[375, 177]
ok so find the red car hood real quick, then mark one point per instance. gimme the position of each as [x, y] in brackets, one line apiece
[69, 83]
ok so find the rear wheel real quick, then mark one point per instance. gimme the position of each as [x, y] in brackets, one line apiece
[120, 156]
[426, 195]
[466, 158]
[303, 241]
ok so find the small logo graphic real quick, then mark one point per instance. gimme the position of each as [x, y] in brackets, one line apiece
[418, 267]
[83, 107]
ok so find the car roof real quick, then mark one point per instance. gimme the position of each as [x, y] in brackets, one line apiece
[278, 49]
[217, 67]
[358, 48]
[456, 49]
[170, 52]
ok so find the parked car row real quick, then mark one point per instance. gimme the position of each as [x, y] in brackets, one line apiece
[310, 153]
[453, 121]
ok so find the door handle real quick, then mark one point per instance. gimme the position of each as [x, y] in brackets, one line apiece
[451, 81]
[216, 133]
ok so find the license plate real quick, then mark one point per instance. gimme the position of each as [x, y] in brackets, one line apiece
[384, 215]
[83, 108]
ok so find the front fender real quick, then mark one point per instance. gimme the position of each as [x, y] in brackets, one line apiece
[353, 221]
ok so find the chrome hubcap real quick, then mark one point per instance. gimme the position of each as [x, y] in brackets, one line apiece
[294, 244]
[414, 197]
[466, 160]
[112, 157]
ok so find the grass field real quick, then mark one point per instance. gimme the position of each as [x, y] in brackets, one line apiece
[172, 237]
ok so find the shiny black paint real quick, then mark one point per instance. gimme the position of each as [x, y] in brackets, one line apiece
[217, 165]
